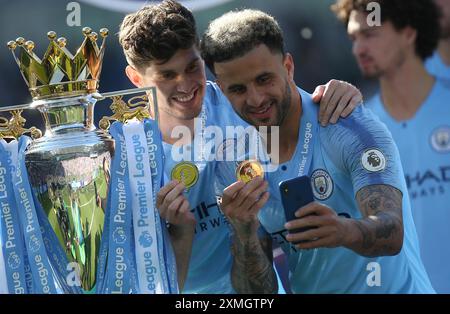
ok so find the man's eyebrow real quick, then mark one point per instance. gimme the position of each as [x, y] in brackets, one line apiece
[363, 30]
[234, 86]
[196, 59]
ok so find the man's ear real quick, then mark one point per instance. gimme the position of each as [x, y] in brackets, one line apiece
[134, 76]
[220, 85]
[288, 63]
[411, 35]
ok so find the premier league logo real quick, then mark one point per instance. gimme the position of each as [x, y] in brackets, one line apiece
[119, 236]
[34, 244]
[440, 139]
[13, 260]
[322, 184]
[373, 160]
[145, 239]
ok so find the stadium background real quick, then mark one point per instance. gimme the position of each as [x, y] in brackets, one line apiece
[316, 39]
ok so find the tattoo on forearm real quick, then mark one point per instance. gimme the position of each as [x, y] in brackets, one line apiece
[382, 225]
[252, 270]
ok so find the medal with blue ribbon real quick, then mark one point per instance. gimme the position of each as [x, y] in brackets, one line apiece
[120, 263]
[145, 161]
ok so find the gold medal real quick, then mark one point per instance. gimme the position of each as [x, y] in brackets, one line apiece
[185, 172]
[248, 170]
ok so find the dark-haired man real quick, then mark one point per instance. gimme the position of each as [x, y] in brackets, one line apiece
[414, 106]
[439, 63]
[161, 46]
[361, 236]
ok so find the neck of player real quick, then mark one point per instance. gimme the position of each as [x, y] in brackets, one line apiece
[170, 123]
[289, 130]
[405, 88]
[444, 50]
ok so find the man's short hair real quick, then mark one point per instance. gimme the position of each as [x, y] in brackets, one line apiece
[421, 15]
[237, 32]
[156, 33]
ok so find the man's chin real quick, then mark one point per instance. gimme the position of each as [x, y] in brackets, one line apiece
[371, 74]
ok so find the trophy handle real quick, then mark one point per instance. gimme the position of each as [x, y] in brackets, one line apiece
[137, 107]
[15, 126]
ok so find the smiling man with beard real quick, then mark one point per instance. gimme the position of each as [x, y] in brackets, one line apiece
[162, 49]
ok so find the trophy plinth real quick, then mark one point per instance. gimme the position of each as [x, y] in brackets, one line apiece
[69, 172]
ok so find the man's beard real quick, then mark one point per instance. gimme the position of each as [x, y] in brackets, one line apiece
[284, 105]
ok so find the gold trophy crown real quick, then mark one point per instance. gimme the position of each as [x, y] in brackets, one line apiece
[59, 73]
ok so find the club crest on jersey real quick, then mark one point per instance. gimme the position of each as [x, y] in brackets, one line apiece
[373, 160]
[440, 139]
[322, 184]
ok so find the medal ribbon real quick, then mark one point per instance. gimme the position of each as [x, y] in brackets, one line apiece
[120, 263]
[144, 223]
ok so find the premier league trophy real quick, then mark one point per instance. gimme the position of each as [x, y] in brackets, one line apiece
[69, 173]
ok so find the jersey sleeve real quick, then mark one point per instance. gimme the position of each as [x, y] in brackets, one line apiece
[362, 147]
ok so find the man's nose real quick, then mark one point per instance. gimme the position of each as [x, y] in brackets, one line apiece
[185, 84]
[358, 48]
[255, 96]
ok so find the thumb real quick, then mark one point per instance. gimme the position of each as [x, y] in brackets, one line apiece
[318, 93]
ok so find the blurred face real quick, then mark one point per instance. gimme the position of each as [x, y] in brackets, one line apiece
[444, 8]
[180, 84]
[377, 49]
[257, 85]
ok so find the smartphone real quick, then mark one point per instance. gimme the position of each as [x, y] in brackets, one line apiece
[296, 193]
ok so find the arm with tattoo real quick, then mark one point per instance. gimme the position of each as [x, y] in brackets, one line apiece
[252, 270]
[380, 231]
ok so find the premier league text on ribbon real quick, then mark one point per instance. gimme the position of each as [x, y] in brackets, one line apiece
[145, 217]
[119, 218]
[305, 148]
[11, 235]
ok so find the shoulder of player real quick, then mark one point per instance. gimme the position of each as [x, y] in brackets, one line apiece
[443, 84]
[361, 125]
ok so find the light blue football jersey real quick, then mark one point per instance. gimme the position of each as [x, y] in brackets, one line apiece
[424, 146]
[356, 152]
[436, 67]
[210, 264]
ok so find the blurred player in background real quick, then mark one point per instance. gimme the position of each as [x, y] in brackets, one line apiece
[415, 107]
[439, 64]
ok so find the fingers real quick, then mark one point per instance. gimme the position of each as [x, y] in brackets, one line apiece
[173, 194]
[318, 93]
[345, 99]
[310, 235]
[356, 101]
[182, 214]
[339, 100]
[254, 210]
[327, 94]
[313, 208]
[169, 213]
[169, 199]
[332, 103]
[231, 191]
[243, 205]
[252, 192]
[317, 243]
[304, 222]
[163, 192]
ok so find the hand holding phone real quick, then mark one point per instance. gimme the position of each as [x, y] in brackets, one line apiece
[296, 193]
